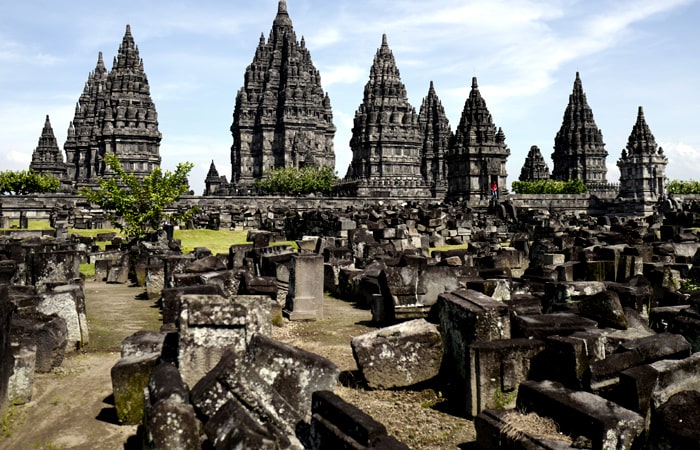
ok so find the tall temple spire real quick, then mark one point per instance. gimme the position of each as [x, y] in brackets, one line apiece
[386, 140]
[435, 136]
[579, 150]
[478, 154]
[114, 114]
[282, 116]
[47, 158]
[642, 166]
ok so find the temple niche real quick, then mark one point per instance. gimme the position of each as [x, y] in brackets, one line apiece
[435, 134]
[115, 114]
[386, 137]
[579, 150]
[282, 116]
[642, 165]
[478, 153]
[535, 167]
[47, 158]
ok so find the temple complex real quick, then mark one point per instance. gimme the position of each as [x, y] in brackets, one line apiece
[282, 117]
[386, 137]
[478, 154]
[47, 158]
[642, 165]
[579, 151]
[115, 114]
[435, 133]
[535, 167]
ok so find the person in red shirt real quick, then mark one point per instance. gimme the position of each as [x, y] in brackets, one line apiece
[494, 191]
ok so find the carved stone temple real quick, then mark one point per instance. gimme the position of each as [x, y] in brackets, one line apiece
[579, 150]
[435, 134]
[214, 183]
[114, 114]
[642, 165]
[47, 158]
[478, 154]
[386, 137]
[282, 117]
[535, 167]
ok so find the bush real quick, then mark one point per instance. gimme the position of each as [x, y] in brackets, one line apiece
[575, 186]
[25, 182]
[683, 187]
[293, 181]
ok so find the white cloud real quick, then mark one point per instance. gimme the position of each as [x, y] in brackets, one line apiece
[683, 160]
[343, 74]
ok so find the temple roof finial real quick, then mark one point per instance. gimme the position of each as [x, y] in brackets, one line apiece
[640, 112]
[282, 18]
[475, 85]
[384, 41]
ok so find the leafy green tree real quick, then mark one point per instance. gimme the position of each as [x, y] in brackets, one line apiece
[24, 182]
[293, 181]
[683, 187]
[137, 206]
[575, 186]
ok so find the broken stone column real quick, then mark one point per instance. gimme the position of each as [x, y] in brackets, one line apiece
[400, 355]
[305, 297]
[21, 384]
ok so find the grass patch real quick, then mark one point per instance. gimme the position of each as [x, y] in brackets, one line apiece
[218, 241]
[11, 417]
[87, 270]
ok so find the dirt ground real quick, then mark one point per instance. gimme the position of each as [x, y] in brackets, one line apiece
[72, 407]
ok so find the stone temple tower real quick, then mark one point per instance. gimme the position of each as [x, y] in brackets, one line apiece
[47, 158]
[435, 136]
[282, 117]
[642, 165]
[115, 114]
[478, 154]
[386, 139]
[579, 151]
[535, 167]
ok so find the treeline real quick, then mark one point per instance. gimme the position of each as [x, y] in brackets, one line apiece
[683, 187]
[575, 186]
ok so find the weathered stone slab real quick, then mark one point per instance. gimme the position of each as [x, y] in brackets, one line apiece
[580, 413]
[496, 429]
[400, 355]
[497, 369]
[50, 335]
[208, 325]
[305, 297]
[130, 377]
[68, 302]
[172, 298]
[21, 382]
[676, 424]
[542, 325]
[295, 373]
[169, 417]
[143, 343]
[339, 425]
[604, 308]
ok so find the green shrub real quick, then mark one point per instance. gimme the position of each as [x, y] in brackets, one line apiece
[293, 181]
[575, 186]
[683, 187]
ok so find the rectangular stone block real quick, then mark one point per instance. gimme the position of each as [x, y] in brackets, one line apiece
[305, 297]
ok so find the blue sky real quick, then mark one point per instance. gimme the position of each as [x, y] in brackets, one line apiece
[525, 54]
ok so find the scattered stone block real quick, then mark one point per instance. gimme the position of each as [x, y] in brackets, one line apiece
[541, 326]
[580, 413]
[68, 302]
[400, 355]
[130, 377]
[676, 424]
[21, 383]
[604, 308]
[339, 425]
[305, 298]
[143, 343]
[497, 369]
[169, 416]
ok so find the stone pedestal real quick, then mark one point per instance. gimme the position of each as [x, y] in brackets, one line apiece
[305, 297]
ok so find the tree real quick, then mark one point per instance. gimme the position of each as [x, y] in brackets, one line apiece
[137, 206]
[293, 181]
[26, 182]
[683, 187]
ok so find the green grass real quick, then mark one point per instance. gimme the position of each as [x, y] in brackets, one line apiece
[32, 225]
[445, 248]
[216, 241]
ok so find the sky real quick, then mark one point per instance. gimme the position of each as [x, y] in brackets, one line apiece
[524, 53]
